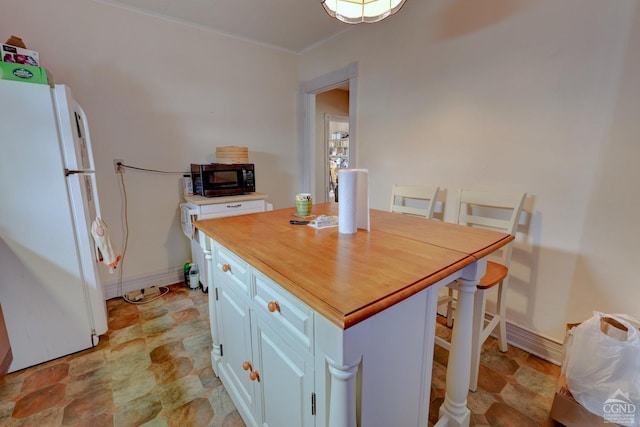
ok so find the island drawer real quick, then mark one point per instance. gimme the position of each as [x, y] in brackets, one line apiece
[283, 311]
[231, 208]
[232, 270]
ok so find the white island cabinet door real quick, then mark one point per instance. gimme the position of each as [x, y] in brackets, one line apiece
[234, 327]
[286, 378]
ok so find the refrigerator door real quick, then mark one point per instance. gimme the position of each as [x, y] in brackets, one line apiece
[83, 197]
[77, 154]
[42, 283]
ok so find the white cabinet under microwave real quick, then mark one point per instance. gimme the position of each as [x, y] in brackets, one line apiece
[197, 207]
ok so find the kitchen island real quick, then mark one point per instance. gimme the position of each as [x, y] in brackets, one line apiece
[317, 328]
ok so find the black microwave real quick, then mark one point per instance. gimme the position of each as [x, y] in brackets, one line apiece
[219, 179]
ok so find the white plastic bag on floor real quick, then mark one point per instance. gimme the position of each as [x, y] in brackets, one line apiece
[602, 367]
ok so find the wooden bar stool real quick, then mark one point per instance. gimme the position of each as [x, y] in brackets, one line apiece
[418, 200]
[498, 211]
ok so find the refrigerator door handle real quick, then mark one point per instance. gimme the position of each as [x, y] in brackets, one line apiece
[84, 137]
[68, 172]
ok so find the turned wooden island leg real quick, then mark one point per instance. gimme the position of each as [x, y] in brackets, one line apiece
[454, 411]
[343, 395]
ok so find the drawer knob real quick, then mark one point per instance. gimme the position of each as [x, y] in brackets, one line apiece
[247, 366]
[273, 306]
[226, 268]
[254, 375]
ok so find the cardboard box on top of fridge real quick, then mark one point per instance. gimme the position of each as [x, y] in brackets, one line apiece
[25, 73]
[18, 55]
[15, 41]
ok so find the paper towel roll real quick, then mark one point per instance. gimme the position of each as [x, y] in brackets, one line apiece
[348, 201]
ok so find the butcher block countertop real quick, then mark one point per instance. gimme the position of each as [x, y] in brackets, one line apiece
[350, 277]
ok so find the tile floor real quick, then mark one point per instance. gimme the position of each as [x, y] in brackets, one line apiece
[514, 388]
[153, 368]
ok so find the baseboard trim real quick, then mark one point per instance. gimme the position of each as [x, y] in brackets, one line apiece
[529, 341]
[160, 278]
[533, 343]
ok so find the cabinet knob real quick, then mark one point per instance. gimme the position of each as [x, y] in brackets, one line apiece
[247, 366]
[273, 306]
[226, 267]
[254, 375]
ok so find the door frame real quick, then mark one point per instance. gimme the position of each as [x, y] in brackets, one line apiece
[307, 121]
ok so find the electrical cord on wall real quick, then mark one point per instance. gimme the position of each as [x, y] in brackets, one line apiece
[125, 220]
[125, 239]
[122, 165]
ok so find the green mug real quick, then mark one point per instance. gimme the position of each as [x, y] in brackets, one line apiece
[304, 203]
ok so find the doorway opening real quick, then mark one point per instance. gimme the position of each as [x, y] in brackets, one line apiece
[311, 158]
[336, 153]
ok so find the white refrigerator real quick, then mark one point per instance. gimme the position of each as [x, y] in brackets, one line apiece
[50, 289]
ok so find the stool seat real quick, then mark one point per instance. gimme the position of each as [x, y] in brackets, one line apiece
[495, 274]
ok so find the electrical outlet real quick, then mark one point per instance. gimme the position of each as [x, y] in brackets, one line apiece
[117, 164]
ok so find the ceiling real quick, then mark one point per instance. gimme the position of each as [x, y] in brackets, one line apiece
[290, 25]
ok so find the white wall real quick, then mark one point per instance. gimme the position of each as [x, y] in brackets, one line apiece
[529, 95]
[534, 96]
[161, 95]
[607, 272]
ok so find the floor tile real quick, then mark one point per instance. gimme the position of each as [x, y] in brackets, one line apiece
[153, 368]
[197, 412]
[39, 400]
[503, 415]
[515, 388]
[45, 377]
[88, 406]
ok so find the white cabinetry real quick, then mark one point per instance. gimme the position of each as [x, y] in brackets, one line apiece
[284, 364]
[197, 207]
[356, 329]
[262, 345]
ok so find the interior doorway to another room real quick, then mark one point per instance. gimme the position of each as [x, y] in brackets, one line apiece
[336, 145]
[332, 141]
[332, 94]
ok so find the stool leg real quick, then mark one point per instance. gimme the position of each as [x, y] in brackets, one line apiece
[502, 311]
[450, 309]
[479, 302]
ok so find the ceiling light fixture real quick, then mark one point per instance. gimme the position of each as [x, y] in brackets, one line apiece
[359, 11]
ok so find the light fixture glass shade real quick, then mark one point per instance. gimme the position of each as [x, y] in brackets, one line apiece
[359, 11]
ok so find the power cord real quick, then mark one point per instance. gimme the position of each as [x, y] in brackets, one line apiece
[140, 298]
[125, 221]
[122, 165]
